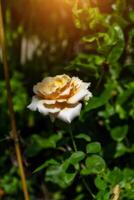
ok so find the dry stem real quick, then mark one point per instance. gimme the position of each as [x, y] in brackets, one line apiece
[14, 134]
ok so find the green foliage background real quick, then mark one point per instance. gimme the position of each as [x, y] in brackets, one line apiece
[93, 40]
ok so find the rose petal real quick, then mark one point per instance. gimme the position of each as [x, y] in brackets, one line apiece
[33, 105]
[61, 100]
[45, 87]
[50, 85]
[80, 94]
[37, 104]
[64, 78]
[49, 102]
[66, 92]
[42, 109]
[47, 79]
[76, 81]
[68, 114]
[86, 85]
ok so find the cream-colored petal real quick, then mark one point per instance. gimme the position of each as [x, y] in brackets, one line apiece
[37, 104]
[35, 90]
[49, 102]
[51, 86]
[86, 85]
[76, 81]
[81, 93]
[68, 114]
[63, 76]
[61, 100]
[33, 105]
[47, 79]
[88, 96]
[79, 83]
[65, 92]
[46, 86]
[78, 96]
[42, 109]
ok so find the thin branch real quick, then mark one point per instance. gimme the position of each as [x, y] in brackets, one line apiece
[116, 193]
[13, 133]
[75, 149]
[88, 188]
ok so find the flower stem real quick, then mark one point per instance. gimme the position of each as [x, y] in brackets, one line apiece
[88, 188]
[13, 133]
[83, 179]
[72, 138]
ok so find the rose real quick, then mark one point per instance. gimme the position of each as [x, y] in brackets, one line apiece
[60, 97]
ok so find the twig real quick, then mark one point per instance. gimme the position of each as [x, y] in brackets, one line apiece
[13, 133]
[88, 188]
[45, 192]
[116, 192]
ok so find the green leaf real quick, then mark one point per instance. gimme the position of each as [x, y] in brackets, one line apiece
[94, 147]
[100, 183]
[103, 194]
[97, 102]
[114, 177]
[74, 159]
[69, 177]
[118, 48]
[39, 143]
[121, 149]
[46, 164]
[49, 142]
[83, 136]
[94, 165]
[124, 96]
[91, 63]
[121, 111]
[57, 175]
[119, 133]
[80, 196]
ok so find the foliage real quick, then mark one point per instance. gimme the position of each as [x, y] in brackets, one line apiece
[95, 41]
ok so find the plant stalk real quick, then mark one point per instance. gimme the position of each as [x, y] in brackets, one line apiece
[72, 138]
[75, 149]
[14, 134]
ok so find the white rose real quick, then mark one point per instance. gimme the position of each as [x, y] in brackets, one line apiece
[60, 97]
